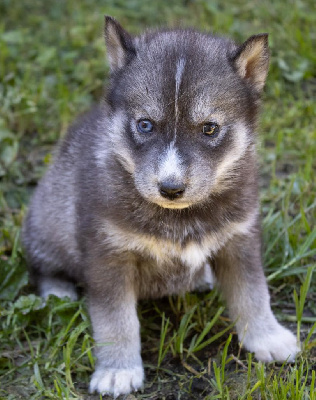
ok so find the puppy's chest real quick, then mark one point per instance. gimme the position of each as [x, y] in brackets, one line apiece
[163, 252]
[192, 254]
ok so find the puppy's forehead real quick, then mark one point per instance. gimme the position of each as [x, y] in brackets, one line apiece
[182, 72]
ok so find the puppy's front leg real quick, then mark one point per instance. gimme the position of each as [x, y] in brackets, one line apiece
[240, 275]
[112, 306]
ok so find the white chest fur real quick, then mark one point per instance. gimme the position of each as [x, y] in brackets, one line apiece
[193, 254]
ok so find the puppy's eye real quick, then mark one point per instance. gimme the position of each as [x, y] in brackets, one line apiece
[210, 129]
[144, 126]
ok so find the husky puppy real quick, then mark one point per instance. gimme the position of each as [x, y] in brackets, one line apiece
[152, 187]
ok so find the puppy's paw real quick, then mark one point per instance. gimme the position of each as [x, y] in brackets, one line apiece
[116, 381]
[58, 287]
[205, 280]
[278, 344]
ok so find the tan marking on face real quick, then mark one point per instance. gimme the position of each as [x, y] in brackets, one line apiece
[202, 112]
[225, 169]
[115, 133]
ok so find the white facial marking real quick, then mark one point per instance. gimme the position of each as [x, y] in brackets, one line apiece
[179, 73]
[170, 164]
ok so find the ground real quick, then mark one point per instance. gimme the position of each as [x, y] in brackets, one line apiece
[52, 68]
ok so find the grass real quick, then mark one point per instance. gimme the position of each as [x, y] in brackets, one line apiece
[52, 67]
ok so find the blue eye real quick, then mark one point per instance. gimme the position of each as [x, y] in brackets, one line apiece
[144, 126]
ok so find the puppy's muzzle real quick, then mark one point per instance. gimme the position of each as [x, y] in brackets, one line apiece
[171, 190]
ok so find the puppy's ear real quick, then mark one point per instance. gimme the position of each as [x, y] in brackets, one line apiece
[119, 43]
[252, 60]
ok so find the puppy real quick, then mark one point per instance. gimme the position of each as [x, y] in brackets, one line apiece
[152, 187]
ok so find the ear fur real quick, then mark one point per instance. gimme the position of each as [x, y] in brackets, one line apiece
[252, 60]
[119, 43]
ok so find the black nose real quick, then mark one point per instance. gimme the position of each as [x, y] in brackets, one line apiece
[171, 190]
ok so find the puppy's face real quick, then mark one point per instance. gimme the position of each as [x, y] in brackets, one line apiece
[182, 117]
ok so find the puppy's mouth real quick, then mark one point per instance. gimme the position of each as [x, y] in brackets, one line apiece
[166, 195]
[173, 204]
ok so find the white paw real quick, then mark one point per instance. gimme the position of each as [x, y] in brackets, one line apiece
[57, 287]
[206, 280]
[277, 344]
[116, 381]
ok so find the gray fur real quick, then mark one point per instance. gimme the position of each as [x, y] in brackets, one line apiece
[99, 218]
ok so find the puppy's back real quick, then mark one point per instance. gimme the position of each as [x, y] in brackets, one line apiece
[50, 229]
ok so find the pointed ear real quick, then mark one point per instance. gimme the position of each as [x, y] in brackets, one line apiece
[119, 43]
[252, 60]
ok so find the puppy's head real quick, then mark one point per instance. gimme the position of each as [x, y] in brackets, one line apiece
[183, 109]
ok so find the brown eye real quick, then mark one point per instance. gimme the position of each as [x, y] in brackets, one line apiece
[211, 129]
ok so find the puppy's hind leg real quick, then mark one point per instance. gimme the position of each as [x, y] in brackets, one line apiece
[57, 286]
